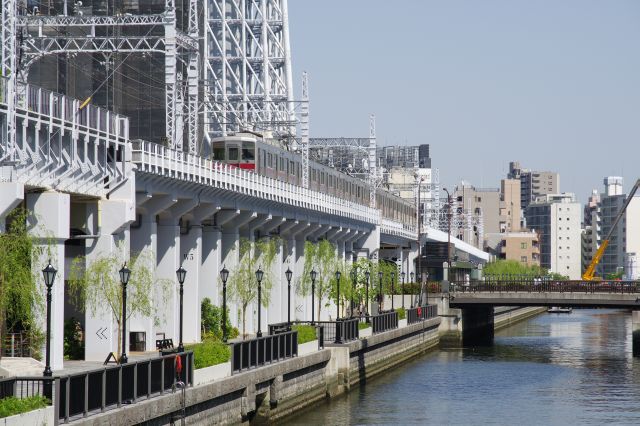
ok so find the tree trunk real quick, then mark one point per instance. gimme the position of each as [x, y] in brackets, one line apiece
[244, 321]
[319, 306]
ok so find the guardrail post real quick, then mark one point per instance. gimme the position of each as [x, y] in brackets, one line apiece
[119, 386]
[162, 376]
[86, 395]
[103, 387]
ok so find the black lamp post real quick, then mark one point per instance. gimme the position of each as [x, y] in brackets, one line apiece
[181, 274]
[49, 273]
[367, 274]
[224, 275]
[125, 273]
[259, 275]
[412, 277]
[393, 281]
[288, 274]
[402, 274]
[338, 274]
[426, 279]
[354, 277]
[379, 291]
[313, 274]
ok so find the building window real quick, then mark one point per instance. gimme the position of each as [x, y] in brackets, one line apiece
[523, 245]
[523, 259]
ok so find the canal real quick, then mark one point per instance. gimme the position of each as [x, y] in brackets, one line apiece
[554, 369]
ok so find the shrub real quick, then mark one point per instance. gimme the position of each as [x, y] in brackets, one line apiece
[402, 313]
[73, 339]
[211, 322]
[11, 406]
[306, 333]
[363, 325]
[209, 352]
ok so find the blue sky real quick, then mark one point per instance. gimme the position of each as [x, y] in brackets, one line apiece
[553, 84]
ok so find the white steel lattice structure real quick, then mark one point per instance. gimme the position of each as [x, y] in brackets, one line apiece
[8, 40]
[247, 67]
[50, 35]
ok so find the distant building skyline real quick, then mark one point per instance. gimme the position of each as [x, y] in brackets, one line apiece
[490, 82]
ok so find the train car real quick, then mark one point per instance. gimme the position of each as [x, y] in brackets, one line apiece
[250, 151]
[238, 151]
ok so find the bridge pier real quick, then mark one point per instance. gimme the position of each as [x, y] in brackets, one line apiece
[635, 330]
[477, 326]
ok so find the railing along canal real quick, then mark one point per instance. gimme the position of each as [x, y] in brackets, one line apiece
[544, 286]
[342, 331]
[86, 393]
[421, 313]
[261, 351]
[384, 321]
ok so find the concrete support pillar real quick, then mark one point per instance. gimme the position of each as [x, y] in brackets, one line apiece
[191, 257]
[11, 195]
[229, 258]
[635, 329]
[168, 262]
[211, 265]
[370, 242]
[303, 303]
[109, 220]
[477, 326]
[50, 225]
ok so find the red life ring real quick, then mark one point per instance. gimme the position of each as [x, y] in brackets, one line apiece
[178, 365]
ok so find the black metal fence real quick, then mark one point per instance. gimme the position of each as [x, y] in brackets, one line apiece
[421, 313]
[342, 331]
[91, 392]
[263, 350]
[540, 285]
[16, 345]
[384, 321]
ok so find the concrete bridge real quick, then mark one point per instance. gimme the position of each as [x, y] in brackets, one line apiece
[477, 299]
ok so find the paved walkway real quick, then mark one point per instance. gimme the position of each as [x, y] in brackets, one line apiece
[73, 367]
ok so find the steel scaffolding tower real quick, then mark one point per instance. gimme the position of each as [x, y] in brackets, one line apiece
[43, 35]
[247, 67]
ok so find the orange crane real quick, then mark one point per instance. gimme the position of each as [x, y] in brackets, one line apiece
[588, 274]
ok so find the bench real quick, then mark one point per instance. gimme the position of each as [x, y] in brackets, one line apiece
[165, 346]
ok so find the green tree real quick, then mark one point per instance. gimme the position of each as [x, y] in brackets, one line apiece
[242, 285]
[96, 285]
[21, 298]
[503, 267]
[321, 257]
[211, 320]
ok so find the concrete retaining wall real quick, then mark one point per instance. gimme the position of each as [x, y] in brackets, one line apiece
[506, 316]
[42, 417]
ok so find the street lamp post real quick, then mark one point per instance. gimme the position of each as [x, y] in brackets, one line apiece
[338, 274]
[224, 275]
[393, 287]
[412, 276]
[354, 277]
[426, 278]
[259, 275]
[402, 274]
[367, 274]
[379, 291]
[49, 273]
[125, 273]
[288, 274]
[313, 274]
[181, 274]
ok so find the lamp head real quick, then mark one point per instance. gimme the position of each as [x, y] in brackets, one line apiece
[49, 273]
[125, 274]
[259, 274]
[288, 274]
[224, 274]
[181, 273]
[313, 274]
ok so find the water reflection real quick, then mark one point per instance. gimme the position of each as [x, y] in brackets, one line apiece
[554, 369]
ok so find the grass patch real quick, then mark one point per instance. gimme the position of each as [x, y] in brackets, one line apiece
[402, 313]
[11, 406]
[363, 325]
[209, 352]
[306, 333]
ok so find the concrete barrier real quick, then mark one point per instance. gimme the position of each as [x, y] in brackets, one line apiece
[43, 416]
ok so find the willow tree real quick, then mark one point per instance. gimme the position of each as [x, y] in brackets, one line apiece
[242, 285]
[323, 258]
[21, 299]
[95, 285]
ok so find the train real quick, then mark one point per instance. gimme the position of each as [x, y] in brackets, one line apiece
[251, 151]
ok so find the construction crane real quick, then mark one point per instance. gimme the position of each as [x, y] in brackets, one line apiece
[588, 274]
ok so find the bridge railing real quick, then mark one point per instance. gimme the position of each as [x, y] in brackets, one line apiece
[398, 229]
[157, 159]
[545, 286]
[421, 313]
